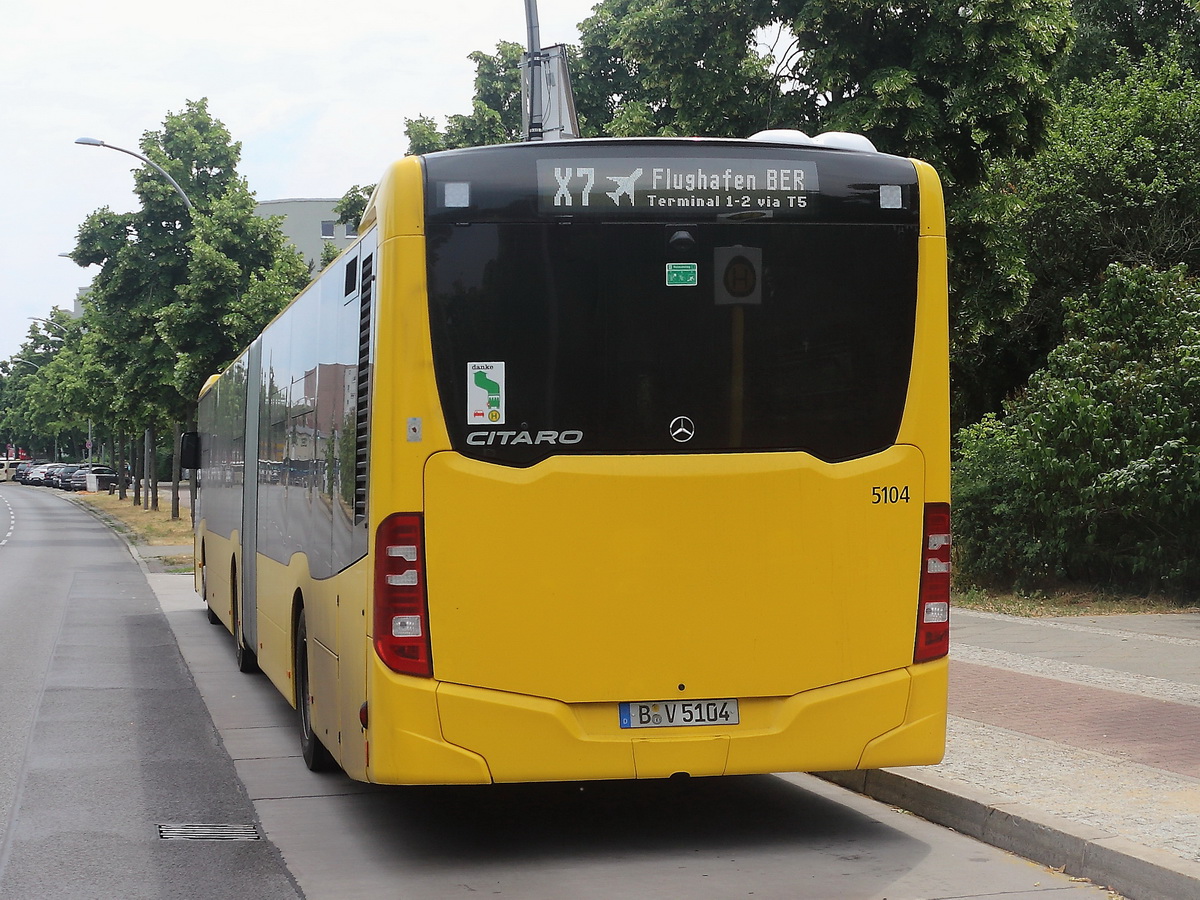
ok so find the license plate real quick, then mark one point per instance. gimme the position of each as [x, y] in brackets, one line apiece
[678, 713]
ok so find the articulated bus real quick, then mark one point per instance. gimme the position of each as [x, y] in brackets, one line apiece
[601, 459]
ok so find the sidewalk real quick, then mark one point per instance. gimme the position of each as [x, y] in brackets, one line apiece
[1074, 742]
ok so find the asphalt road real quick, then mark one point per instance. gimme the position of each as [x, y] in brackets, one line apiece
[103, 737]
[122, 711]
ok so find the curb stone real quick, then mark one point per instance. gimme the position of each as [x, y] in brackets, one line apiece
[1137, 872]
[147, 556]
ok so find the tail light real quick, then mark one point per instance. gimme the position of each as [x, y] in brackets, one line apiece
[933, 606]
[401, 605]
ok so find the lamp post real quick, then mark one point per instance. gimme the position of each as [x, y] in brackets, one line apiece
[50, 323]
[96, 142]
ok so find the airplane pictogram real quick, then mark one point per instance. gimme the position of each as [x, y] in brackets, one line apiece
[625, 186]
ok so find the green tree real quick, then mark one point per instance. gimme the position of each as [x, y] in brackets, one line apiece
[1114, 33]
[498, 87]
[350, 209]
[495, 116]
[1093, 474]
[329, 252]
[241, 272]
[692, 67]
[51, 389]
[1115, 183]
[353, 204]
[951, 84]
[179, 291]
[19, 423]
[423, 136]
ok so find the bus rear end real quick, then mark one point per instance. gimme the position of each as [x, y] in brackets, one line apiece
[689, 511]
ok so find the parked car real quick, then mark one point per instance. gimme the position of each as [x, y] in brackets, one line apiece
[26, 466]
[61, 477]
[37, 475]
[105, 477]
[8, 469]
[78, 479]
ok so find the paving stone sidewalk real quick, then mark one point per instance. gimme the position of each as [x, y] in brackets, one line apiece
[1157, 733]
[1074, 741]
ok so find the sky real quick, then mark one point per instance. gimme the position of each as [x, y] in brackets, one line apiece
[316, 92]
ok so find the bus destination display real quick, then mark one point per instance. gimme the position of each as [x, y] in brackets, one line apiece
[710, 186]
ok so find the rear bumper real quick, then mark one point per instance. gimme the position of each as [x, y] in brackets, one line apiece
[445, 733]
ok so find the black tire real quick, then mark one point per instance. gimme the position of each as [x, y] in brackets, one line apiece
[246, 660]
[316, 756]
[212, 616]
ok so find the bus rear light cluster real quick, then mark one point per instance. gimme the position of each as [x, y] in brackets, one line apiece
[933, 607]
[401, 603]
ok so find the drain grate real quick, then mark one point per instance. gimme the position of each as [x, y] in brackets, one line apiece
[195, 832]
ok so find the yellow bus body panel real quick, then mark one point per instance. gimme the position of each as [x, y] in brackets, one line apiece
[590, 579]
[559, 590]
[494, 736]
[921, 739]
[218, 554]
[406, 745]
[926, 421]
[529, 738]
[276, 588]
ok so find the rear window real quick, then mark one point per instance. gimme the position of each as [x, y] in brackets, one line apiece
[604, 335]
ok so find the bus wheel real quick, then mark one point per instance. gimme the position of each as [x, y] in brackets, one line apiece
[316, 757]
[246, 660]
[212, 616]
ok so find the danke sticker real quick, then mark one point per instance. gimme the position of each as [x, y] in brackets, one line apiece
[485, 393]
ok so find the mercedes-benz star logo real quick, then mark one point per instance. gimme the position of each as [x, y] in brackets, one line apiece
[682, 429]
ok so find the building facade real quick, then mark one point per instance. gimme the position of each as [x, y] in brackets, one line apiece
[308, 223]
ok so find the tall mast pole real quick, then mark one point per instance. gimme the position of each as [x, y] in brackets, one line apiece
[533, 60]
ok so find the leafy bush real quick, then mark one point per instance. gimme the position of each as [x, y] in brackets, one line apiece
[1093, 473]
[1115, 183]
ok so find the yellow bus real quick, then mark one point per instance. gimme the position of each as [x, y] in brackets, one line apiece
[601, 459]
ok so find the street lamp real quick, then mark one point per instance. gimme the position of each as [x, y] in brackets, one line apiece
[17, 359]
[55, 325]
[96, 142]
